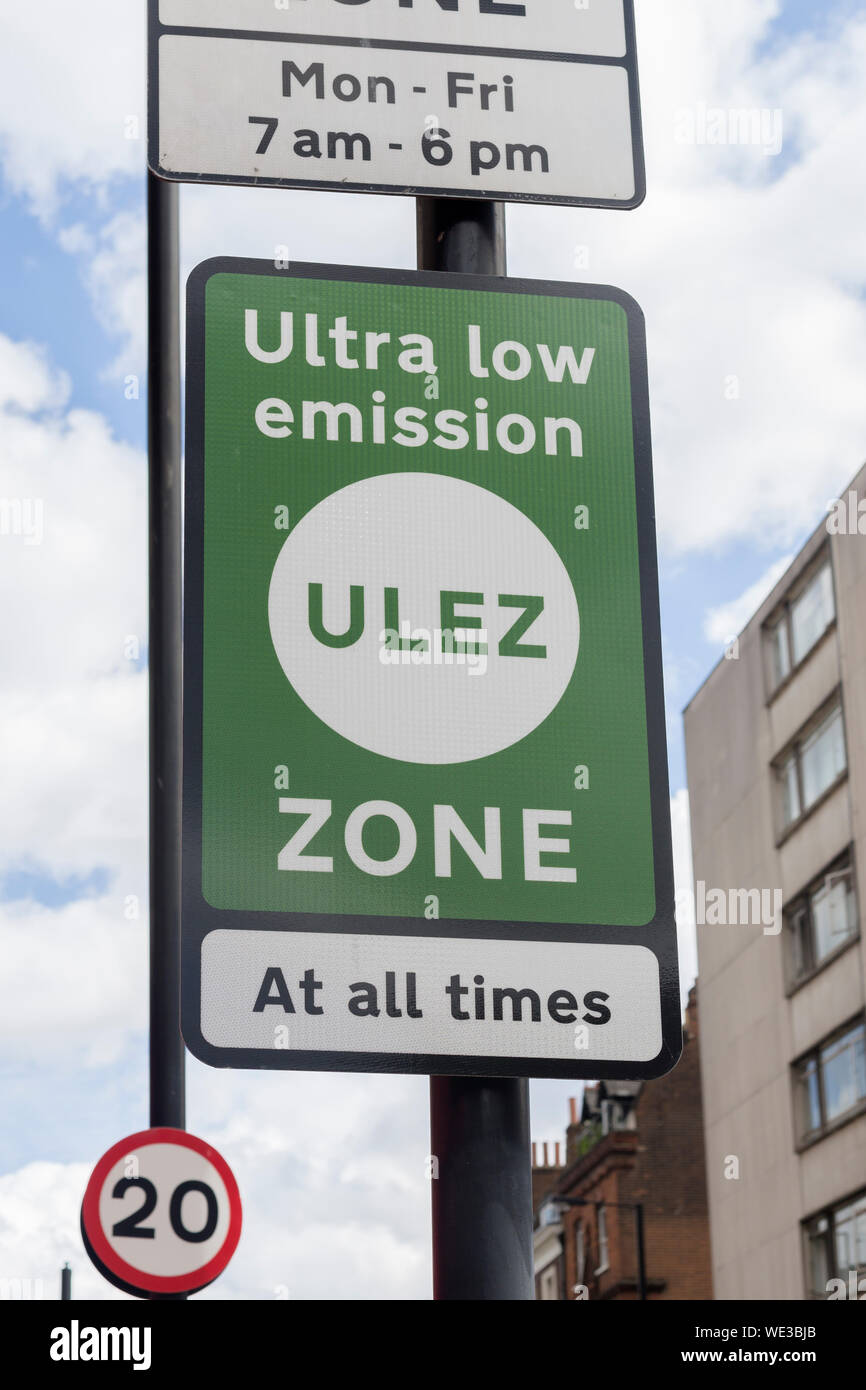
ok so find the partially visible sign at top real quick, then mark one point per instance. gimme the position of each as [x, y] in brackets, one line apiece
[595, 27]
[533, 101]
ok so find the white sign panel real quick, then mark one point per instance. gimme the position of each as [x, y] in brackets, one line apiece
[534, 101]
[585, 27]
[367, 994]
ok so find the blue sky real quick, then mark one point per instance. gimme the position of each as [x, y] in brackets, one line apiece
[745, 265]
[805, 17]
[45, 300]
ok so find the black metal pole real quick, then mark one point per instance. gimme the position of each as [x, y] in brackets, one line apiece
[641, 1256]
[167, 1101]
[482, 1185]
[482, 1188]
[66, 1284]
[462, 235]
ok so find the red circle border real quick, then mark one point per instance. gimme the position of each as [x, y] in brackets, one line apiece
[160, 1283]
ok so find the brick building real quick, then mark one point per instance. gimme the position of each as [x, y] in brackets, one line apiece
[631, 1142]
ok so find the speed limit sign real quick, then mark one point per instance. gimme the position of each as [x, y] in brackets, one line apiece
[161, 1213]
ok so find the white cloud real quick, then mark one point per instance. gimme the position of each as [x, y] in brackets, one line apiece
[114, 268]
[723, 623]
[336, 1204]
[74, 778]
[266, 222]
[78, 570]
[72, 716]
[39, 1232]
[331, 1169]
[73, 123]
[28, 382]
[87, 966]
[750, 271]
[69, 80]
[72, 694]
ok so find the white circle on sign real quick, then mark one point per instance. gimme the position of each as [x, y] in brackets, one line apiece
[161, 1213]
[166, 1252]
[419, 536]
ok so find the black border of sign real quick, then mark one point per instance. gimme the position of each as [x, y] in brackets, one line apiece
[199, 918]
[156, 30]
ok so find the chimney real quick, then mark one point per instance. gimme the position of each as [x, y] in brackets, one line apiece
[547, 1154]
[573, 1130]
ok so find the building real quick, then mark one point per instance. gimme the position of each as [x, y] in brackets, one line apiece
[776, 751]
[547, 1241]
[631, 1144]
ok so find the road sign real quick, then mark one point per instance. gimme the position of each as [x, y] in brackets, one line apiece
[161, 1213]
[535, 101]
[426, 818]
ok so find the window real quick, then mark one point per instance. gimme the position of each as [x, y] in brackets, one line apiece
[790, 779]
[834, 913]
[813, 765]
[849, 1231]
[579, 1252]
[818, 1257]
[802, 622]
[810, 1098]
[831, 1081]
[821, 921]
[822, 758]
[780, 652]
[549, 1284]
[603, 1260]
[812, 612]
[836, 1245]
[550, 1213]
[843, 1073]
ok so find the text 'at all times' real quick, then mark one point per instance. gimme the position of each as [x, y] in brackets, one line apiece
[474, 999]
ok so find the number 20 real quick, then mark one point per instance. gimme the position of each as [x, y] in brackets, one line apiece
[131, 1225]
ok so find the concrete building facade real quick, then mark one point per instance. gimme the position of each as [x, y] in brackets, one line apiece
[776, 753]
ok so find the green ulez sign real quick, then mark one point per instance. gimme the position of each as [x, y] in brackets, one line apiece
[422, 684]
